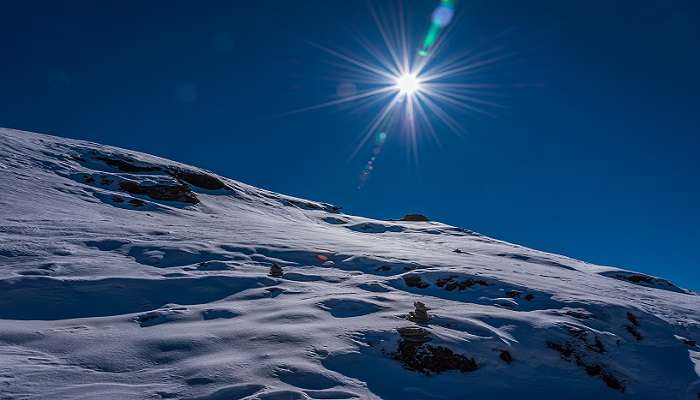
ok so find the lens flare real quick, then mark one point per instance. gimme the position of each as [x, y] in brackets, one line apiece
[441, 18]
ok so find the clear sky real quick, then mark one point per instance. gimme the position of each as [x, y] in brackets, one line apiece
[595, 154]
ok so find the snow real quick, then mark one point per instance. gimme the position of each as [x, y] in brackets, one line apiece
[163, 291]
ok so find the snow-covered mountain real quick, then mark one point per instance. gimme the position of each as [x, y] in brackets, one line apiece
[127, 276]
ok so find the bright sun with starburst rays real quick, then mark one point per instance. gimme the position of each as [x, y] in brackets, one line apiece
[412, 90]
[408, 84]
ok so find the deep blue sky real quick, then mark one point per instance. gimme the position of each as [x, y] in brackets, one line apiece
[595, 157]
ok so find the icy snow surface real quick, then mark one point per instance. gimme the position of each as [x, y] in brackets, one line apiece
[127, 276]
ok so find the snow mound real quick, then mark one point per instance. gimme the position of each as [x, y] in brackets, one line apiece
[128, 276]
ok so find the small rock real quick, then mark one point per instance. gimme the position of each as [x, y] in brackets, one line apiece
[505, 356]
[276, 271]
[513, 294]
[420, 314]
[415, 218]
[414, 334]
[415, 281]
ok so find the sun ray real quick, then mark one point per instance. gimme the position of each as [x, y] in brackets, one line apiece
[361, 64]
[343, 100]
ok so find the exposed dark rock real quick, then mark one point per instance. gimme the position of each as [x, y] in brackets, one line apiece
[639, 279]
[126, 166]
[506, 356]
[633, 326]
[645, 280]
[566, 349]
[529, 297]
[117, 199]
[414, 334]
[415, 281]
[458, 251]
[200, 179]
[428, 359]
[137, 202]
[634, 331]
[420, 314]
[181, 193]
[596, 347]
[276, 271]
[451, 283]
[415, 218]
[513, 294]
[612, 381]
[572, 353]
[89, 179]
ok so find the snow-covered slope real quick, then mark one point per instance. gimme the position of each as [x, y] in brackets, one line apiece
[127, 276]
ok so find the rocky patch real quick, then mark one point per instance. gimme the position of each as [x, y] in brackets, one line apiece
[199, 179]
[452, 283]
[633, 326]
[583, 350]
[569, 353]
[415, 281]
[415, 218]
[427, 359]
[174, 192]
[136, 202]
[128, 166]
[644, 280]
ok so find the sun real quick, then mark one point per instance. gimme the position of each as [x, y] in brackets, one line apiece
[408, 90]
[408, 83]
